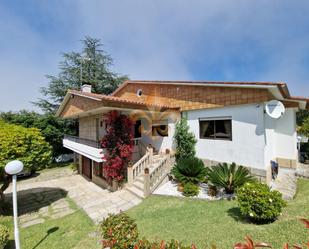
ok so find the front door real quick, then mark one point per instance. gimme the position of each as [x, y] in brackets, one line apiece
[86, 167]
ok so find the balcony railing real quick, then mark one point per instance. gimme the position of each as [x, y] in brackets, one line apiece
[85, 141]
[93, 143]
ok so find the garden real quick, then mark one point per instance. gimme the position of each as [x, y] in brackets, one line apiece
[253, 216]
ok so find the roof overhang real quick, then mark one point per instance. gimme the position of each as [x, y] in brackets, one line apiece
[107, 103]
[279, 90]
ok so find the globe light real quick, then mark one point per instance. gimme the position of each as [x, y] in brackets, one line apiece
[14, 167]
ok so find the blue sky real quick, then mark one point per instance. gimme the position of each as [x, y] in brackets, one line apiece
[239, 40]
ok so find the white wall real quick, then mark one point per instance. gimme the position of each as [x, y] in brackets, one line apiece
[286, 135]
[281, 136]
[248, 142]
[160, 143]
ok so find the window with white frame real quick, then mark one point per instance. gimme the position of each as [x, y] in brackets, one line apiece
[216, 128]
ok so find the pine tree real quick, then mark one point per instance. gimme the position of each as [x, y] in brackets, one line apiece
[91, 66]
[185, 140]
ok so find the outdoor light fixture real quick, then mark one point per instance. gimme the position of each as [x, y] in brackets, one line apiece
[13, 168]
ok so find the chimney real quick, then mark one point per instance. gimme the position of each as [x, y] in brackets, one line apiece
[86, 88]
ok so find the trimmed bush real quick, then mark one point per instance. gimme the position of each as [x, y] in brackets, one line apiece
[4, 236]
[119, 231]
[229, 176]
[190, 189]
[24, 144]
[173, 244]
[189, 170]
[257, 202]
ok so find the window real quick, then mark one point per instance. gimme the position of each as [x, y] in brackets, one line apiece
[216, 129]
[138, 129]
[160, 129]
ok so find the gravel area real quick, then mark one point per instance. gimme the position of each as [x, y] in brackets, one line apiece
[170, 189]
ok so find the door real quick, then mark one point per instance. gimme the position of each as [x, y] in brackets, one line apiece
[87, 167]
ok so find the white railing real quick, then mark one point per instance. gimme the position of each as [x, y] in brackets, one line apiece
[153, 178]
[138, 168]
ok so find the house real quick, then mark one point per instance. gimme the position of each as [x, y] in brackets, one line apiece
[227, 118]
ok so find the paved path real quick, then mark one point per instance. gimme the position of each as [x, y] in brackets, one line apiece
[286, 183]
[94, 200]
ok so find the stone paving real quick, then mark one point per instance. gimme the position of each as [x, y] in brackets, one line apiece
[38, 204]
[302, 170]
[94, 200]
[286, 183]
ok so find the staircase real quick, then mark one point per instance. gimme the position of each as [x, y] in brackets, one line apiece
[148, 173]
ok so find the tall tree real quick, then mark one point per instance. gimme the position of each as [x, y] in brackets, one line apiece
[91, 65]
[301, 116]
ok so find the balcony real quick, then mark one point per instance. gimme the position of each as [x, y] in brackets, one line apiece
[86, 147]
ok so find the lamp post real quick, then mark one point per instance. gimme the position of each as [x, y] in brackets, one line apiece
[13, 168]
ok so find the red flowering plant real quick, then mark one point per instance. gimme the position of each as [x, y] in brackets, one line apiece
[118, 143]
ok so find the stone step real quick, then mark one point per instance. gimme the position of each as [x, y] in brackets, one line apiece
[135, 191]
[140, 179]
[139, 185]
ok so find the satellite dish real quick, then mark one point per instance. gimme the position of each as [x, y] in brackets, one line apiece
[274, 109]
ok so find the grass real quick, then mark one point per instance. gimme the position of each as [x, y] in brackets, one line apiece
[218, 222]
[72, 231]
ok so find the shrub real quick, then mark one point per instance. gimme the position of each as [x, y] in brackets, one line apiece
[189, 170]
[190, 189]
[229, 176]
[212, 190]
[4, 236]
[119, 231]
[24, 144]
[259, 203]
[185, 141]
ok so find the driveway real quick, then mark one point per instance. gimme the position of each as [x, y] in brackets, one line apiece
[37, 195]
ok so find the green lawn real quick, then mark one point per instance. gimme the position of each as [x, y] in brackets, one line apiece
[218, 222]
[71, 231]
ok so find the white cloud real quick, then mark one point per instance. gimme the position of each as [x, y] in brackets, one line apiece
[156, 39]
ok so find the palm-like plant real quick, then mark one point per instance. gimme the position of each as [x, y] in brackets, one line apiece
[229, 176]
[189, 170]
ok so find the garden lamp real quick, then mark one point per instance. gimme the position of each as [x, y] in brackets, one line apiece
[13, 168]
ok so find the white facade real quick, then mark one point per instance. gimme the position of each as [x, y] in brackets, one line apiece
[160, 143]
[281, 137]
[256, 138]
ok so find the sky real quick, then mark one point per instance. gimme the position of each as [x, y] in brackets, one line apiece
[222, 40]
